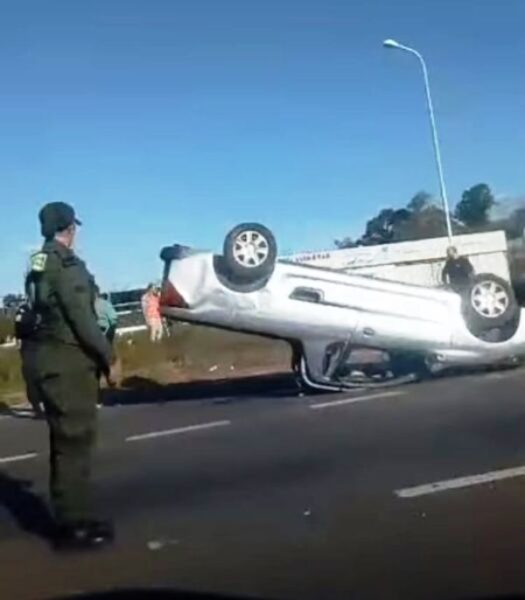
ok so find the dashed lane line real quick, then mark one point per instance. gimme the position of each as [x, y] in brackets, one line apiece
[18, 457]
[355, 399]
[460, 482]
[179, 430]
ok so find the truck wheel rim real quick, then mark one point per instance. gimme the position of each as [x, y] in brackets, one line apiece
[490, 299]
[251, 249]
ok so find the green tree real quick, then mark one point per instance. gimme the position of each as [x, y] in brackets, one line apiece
[474, 207]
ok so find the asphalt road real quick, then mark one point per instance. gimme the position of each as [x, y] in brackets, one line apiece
[258, 492]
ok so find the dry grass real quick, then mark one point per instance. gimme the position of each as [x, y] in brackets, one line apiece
[6, 328]
[190, 353]
[10, 375]
[194, 352]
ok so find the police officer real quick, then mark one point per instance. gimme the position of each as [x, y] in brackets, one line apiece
[71, 353]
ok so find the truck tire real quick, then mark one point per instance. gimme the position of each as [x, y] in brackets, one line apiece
[250, 252]
[488, 303]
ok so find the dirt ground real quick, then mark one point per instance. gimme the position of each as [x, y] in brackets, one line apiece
[190, 353]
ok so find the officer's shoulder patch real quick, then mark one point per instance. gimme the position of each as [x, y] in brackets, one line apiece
[39, 262]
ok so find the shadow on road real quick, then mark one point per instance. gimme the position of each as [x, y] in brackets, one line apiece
[140, 390]
[27, 509]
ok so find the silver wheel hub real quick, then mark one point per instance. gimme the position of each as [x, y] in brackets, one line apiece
[251, 249]
[489, 299]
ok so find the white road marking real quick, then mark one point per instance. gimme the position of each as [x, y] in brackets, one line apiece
[460, 482]
[355, 399]
[179, 430]
[18, 457]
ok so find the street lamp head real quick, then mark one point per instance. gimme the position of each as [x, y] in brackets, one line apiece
[391, 44]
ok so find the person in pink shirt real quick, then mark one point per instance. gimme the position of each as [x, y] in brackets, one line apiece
[151, 311]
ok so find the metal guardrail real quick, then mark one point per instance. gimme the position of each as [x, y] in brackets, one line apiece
[132, 329]
[130, 318]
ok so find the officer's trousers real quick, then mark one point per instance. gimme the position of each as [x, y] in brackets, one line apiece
[70, 398]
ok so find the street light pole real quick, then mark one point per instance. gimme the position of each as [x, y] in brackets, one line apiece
[435, 138]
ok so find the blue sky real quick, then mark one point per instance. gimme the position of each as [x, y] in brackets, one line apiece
[173, 120]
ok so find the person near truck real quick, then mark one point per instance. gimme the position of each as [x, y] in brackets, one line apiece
[458, 270]
[71, 352]
[106, 315]
[151, 311]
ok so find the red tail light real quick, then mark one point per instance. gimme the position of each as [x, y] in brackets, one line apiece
[170, 296]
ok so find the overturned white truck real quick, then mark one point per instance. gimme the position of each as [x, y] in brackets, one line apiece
[326, 311]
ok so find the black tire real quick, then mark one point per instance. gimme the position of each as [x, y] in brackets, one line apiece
[481, 317]
[259, 261]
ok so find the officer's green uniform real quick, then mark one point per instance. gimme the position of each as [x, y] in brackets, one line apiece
[71, 353]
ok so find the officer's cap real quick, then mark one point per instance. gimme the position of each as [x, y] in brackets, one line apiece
[56, 217]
